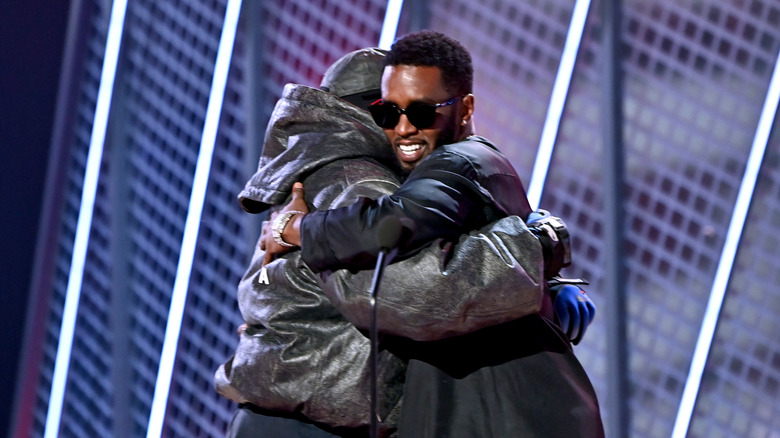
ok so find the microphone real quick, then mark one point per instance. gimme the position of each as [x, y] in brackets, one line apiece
[392, 231]
[389, 232]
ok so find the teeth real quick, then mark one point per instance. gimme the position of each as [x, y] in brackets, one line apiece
[410, 149]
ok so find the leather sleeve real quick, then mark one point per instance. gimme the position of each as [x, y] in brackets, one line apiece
[490, 276]
[440, 204]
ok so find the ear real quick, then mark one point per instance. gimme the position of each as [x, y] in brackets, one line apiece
[466, 109]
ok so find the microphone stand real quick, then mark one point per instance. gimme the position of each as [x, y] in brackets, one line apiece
[390, 232]
[382, 261]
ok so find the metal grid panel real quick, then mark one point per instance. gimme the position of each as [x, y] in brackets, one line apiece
[155, 129]
[85, 412]
[694, 85]
[516, 48]
[170, 55]
[301, 38]
[211, 315]
[741, 382]
[83, 106]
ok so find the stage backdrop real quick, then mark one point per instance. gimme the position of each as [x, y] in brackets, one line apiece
[696, 73]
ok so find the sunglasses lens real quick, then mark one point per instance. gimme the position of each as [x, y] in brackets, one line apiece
[386, 116]
[421, 115]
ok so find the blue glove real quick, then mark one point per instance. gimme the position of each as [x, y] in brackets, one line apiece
[574, 310]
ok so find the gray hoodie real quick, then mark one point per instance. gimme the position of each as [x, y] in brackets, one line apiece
[299, 354]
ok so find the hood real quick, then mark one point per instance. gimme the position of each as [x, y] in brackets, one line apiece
[308, 129]
[356, 77]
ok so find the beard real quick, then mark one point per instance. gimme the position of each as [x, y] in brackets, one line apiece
[447, 135]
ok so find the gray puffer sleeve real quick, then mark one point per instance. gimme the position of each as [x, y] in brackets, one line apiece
[490, 276]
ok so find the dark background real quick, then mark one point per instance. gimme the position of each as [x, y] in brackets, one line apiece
[32, 34]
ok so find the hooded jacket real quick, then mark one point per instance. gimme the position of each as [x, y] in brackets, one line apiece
[299, 354]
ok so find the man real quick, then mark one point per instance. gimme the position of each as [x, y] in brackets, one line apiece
[514, 379]
[300, 368]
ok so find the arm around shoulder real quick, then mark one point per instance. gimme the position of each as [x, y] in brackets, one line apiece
[488, 277]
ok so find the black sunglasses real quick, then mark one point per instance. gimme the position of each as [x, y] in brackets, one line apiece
[421, 115]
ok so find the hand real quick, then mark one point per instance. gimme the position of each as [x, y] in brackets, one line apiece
[575, 311]
[291, 233]
[241, 329]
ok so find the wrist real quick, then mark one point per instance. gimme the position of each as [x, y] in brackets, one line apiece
[279, 229]
[553, 236]
[292, 233]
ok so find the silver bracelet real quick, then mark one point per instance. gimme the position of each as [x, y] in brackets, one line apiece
[278, 226]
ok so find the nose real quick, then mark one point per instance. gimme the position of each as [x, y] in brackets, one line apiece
[404, 128]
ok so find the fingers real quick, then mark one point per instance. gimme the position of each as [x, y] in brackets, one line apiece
[266, 241]
[591, 310]
[297, 202]
[580, 325]
[571, 312]
[266, 238]
[575, 321]
[587, 312]
[241, 329]
[297, 191]
[263, 233]
[562, 312]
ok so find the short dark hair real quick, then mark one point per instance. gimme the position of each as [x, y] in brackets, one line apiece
[434, 49]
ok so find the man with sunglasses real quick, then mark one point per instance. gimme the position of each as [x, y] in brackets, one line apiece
[519, 378]
[300, 369]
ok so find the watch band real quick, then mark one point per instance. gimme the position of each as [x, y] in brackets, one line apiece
[277, 228]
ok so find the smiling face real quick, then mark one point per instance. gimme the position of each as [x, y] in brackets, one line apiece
[404, 84]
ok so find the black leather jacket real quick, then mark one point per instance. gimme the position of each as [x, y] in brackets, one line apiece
[459, 187]
[299, 353]
[518, 378]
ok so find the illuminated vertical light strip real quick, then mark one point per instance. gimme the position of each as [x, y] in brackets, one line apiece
[84, 222]
[390, 25]
[192, 223]
[733, 235]
[557, 102]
